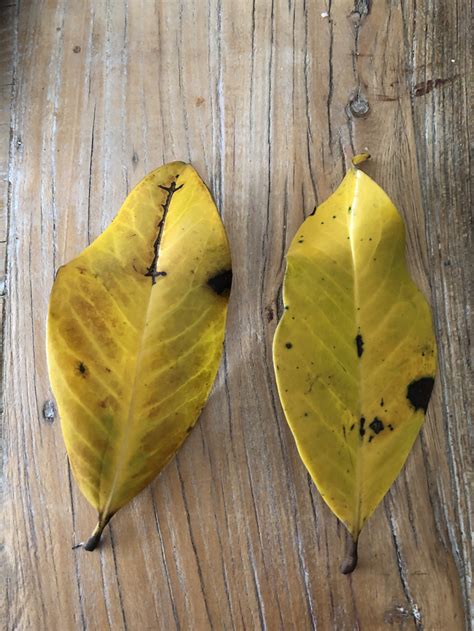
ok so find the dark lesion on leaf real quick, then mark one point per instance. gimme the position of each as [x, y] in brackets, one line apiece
[82, 370]
[152, 270]
[361, 426]
[359, 344]
[419, 393]
[221, 282]
[377, 426]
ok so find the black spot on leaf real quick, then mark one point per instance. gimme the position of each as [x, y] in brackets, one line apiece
[82, 369]
[289, 345]
[360, 345]
[419, 393]
[361, 426]
[377, 426]
[221, 282]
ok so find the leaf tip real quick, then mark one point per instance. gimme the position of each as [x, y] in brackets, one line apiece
[350, 562]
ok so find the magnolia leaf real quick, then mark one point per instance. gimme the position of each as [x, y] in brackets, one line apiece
[354, 353]
[135, 335]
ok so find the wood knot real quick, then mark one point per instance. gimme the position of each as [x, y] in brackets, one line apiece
[49, 411]
[361, 9]
[359, 106]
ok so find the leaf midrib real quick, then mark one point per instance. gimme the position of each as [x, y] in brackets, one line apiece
[358, 474]
[104, 514]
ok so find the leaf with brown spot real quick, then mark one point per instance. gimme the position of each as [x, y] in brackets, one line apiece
[135, 338]
[364, 339]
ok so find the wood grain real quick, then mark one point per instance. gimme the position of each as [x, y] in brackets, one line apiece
[269, 99]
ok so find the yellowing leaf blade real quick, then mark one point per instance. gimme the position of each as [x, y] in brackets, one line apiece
[354, 352]
[135, 332]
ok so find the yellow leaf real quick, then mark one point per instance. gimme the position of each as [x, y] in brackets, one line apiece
[354, 352]
[135, 335]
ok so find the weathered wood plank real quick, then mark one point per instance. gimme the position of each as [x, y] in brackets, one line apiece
[7, 76]
[7, 71]
[269, 100]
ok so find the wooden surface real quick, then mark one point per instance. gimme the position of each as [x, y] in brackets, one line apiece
[265, 98]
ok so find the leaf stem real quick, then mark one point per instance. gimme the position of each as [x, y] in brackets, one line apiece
[94, 539]
[360, 158]
[350, 562]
